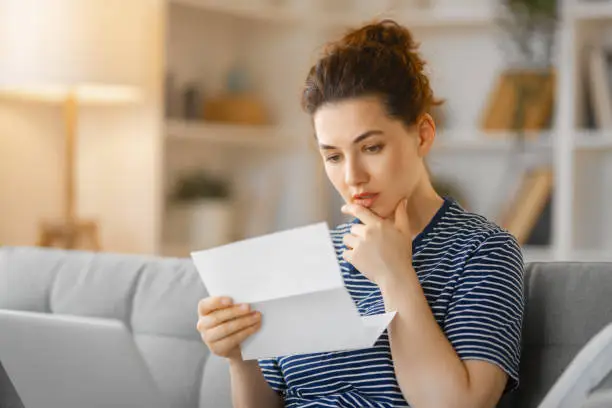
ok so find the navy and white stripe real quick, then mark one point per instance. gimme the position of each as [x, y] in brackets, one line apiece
[471, 272]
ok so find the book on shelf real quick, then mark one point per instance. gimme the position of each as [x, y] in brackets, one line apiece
[522, 212]
[521, 99]
[599, 87]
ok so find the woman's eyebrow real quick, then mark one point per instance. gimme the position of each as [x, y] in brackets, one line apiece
[358, 139]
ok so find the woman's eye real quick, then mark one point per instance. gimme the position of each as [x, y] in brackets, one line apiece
[373, 148]
[333, 158]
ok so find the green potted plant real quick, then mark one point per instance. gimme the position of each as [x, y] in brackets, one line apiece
[531, 28]
[206, 199]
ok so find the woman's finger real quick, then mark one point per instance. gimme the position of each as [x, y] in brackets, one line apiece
[365, 215]
[233, 326]
[210, 304]
[350, 241]
[358, 230]
[227, 344]
[221, 316]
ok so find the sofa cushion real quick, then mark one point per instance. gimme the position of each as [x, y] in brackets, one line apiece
[95, 285]
[166, 299]
[27, 276]
[567, 303]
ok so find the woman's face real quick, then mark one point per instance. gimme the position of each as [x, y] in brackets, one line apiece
[370, 158]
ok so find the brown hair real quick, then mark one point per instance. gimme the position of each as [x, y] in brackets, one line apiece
[378, 59]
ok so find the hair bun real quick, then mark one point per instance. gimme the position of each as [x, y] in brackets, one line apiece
[387, 33]
[380, 58]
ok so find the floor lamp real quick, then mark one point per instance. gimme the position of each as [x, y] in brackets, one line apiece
[75, 53]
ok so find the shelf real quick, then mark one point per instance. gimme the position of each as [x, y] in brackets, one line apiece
[593, 140]
[274, 137]
[433, 17]
[244, 10]
[591, 10]
[246, 136]
[476, 140]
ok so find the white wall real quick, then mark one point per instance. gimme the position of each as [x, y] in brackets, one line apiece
[30, 169]
[119, 167]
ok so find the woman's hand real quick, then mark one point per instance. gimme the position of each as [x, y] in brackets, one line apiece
[379, 247]
[224, 326]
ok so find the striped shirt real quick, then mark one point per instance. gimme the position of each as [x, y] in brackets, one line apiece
[471, 272]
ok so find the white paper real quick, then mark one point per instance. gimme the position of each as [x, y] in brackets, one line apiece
[293, 278]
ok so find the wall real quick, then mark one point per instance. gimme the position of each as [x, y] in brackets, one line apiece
[119, 167]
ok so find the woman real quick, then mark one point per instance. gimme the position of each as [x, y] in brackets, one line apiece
[454, 278]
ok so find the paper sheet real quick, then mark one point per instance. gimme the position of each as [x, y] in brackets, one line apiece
[293, 278]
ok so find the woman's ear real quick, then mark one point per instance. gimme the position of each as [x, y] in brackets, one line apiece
[426, 128]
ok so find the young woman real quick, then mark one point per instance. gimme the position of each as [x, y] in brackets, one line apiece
[454, 278]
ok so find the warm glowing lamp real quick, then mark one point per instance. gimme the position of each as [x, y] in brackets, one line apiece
[71, 52]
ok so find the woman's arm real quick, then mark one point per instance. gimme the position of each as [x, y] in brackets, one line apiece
[428, 370]
[459, 368]
[249, 387]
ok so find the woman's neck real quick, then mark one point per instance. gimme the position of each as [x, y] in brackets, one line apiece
[422, 207]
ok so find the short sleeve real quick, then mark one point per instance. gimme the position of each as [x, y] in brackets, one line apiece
[485, 315]
[273, 375]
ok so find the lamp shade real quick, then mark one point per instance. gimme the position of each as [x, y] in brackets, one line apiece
[91, 49]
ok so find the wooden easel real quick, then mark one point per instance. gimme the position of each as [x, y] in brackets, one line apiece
[70, 232]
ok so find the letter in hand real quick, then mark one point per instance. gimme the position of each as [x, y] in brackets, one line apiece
[224, 325]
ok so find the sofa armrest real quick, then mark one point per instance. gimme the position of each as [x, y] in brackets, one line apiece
[599, 399]
[584, 373]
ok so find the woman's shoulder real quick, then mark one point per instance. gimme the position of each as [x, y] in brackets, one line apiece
[476, 232]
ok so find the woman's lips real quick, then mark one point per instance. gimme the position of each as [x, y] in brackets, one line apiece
[365, 200]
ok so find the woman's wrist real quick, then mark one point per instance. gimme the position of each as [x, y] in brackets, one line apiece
[237, 359]
[395, 287]
[400, 276]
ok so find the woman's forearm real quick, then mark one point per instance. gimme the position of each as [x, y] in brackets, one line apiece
[249, 387]
[425, 362]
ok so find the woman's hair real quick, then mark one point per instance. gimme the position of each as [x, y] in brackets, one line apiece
[378, 59]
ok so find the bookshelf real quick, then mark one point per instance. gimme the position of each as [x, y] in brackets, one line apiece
[206, 36]
[582, 156]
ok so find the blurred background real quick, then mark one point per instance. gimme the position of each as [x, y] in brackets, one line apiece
[161, 127]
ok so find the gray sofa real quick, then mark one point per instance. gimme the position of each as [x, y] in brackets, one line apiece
[157, 298]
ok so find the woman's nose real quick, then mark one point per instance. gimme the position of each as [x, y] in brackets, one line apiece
[354, 173]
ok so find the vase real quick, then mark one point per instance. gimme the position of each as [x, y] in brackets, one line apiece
[209, 223]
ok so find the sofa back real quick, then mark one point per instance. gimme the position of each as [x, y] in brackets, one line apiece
[566, 304]
[156, 298]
